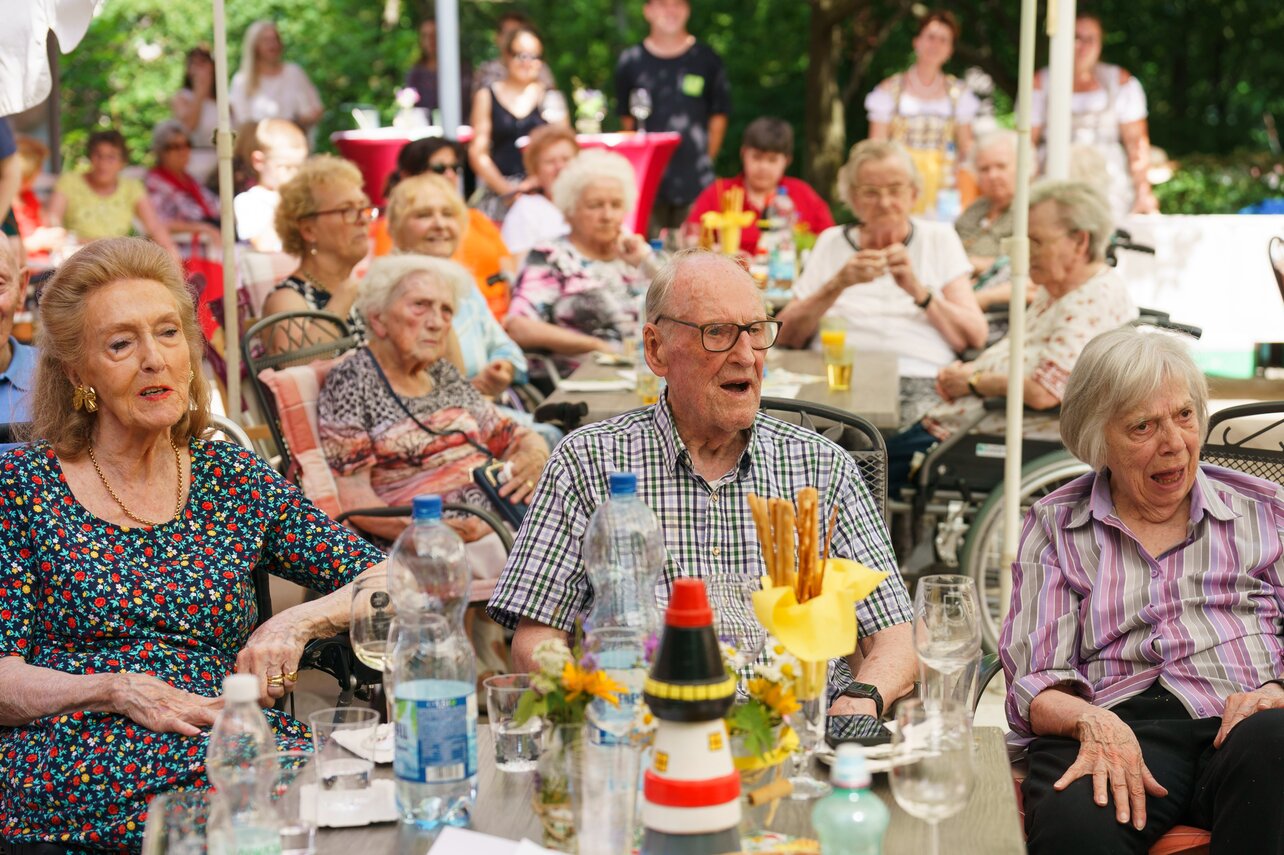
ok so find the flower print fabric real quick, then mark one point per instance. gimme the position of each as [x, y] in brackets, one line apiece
[176, 601]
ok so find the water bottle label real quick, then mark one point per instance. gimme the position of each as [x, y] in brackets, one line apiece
[436, 738]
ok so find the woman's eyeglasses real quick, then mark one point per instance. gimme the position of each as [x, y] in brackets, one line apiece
[350, 215]
[443, 168]
[527, 57]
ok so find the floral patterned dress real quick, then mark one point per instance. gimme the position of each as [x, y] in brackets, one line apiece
[176, 601]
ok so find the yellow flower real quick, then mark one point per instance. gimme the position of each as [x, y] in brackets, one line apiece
[778, 699]
[597, 684]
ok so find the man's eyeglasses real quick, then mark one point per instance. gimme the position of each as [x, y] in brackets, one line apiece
[719, 336]
[350, 216]
[443, 168]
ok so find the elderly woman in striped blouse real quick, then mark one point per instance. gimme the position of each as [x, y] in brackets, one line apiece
[1143, 648]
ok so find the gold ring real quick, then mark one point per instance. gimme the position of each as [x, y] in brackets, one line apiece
[530, 485]
[276, 680]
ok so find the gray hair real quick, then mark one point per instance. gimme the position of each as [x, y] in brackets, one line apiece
[377, 291]
[869, 150]
[589, 166]
[1080, 208]
[1115, 371]
[994, 139]
[661, 289]
[165, 131]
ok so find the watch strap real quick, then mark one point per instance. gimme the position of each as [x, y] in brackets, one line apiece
[866, 691]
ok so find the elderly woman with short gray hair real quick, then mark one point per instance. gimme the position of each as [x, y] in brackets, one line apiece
[579, 293]
[397, 419]
[1143, 648]
[1080, 297]
[897, 284]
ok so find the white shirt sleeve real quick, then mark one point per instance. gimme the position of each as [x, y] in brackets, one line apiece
[827, 256]
[879, 104]
[944, 259]
[1130, 106]
[237, 102]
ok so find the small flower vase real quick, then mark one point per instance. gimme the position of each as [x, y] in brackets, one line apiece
[409, 118]
[557, 783]
[758, 771]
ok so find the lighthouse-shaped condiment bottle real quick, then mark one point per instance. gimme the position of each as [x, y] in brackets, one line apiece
[691, 793]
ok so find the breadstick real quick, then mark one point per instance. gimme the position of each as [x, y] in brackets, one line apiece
[785, 544]
[762, 524]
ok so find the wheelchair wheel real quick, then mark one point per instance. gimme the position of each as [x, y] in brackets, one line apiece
[984, 543]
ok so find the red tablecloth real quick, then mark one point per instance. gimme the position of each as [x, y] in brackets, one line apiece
[375, 154]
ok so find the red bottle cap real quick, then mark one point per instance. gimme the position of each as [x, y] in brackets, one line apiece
[689, 605]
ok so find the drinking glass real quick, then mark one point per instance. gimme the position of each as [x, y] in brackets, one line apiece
[516, 745]
[810, 724]
[345, 739]
[734, 620]
[176, 823]
[372, 614]
[932, 751]
[290, 786]
[838, 366]
[640, 107]
[947, 636]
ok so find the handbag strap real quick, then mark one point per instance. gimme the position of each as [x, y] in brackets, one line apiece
[400, 403]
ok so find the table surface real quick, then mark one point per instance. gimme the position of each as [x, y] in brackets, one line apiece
[874, 393]
[989, 825]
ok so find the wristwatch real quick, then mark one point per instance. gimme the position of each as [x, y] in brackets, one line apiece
[926, 300]
[971, 384]
[866, 690]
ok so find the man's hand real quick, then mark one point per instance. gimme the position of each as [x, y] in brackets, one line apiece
[1110, 753]
[158, 706]
[843, 705]
[494, 378]
[1241, 705]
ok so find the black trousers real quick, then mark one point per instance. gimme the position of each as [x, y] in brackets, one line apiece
[1237, 791]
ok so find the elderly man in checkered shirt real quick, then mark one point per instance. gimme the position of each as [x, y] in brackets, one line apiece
[697, 454]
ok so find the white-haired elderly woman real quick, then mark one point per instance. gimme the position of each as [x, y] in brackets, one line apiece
[898, 284]
[989, 220]
[182, 203]
[1080, 297]
[398, 419]
[1143, 649]
[579, 293]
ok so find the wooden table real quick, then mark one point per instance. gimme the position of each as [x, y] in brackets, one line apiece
[874, 395]
[987, 826]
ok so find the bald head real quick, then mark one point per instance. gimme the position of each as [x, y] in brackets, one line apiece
[695, 273]
[13, 293]
[10, 259]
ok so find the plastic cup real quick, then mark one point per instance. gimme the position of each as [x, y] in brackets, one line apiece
[344, 739]
[517, 746]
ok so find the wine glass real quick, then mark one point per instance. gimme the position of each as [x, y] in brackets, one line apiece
[734, 620]
[372, 614]
[947, 636]
[932, 775]
[640, 107]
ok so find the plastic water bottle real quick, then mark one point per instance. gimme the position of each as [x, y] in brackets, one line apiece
[850, 820]
[624, 557]
[949, 203]
[784, 252]
[241, 823]
[434, 674]
[427, 567]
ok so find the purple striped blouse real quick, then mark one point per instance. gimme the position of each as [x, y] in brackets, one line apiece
[1091, 610]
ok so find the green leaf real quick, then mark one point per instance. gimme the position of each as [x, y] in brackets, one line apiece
[526, 707]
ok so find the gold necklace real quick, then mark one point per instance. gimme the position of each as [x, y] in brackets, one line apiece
[178, 505]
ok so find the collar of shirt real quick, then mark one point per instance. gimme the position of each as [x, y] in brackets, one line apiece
[1101, 505]
[674, 451]
[21, 366]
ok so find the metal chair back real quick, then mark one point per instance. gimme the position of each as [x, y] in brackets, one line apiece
[288, 339]
[1249, 438]
[854, 434]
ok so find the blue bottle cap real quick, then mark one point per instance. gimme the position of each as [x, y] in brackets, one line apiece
[849, 772]
[782, 190]
[623, 483]
[426, 507]
[656, 244]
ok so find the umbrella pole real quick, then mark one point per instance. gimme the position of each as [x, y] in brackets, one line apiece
[1056, 124]
[1019, 252]
[448, 73]
[223, 143]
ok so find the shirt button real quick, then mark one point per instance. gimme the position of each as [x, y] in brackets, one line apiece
[1154, 574]
[717, 550]
[713, 500]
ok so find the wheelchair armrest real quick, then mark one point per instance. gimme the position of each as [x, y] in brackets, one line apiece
[990, 666]
[1000, 403]
[501, 530]
[544, 359]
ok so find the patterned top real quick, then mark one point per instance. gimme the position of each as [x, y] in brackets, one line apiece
[1093, 611]
[318, 298]
[176, 601]
[560, 286]
[708, 528]
[91, 216]
[364, 429]
[1056, 332]
[175, 198]
[980, 237]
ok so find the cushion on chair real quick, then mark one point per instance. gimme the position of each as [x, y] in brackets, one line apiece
[260, 272]
[297, 389]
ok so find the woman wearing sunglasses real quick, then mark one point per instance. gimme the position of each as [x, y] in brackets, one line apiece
[324, 218]
[182, 203]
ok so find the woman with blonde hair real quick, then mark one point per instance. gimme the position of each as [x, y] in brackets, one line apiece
[130, 549]
[268, 87]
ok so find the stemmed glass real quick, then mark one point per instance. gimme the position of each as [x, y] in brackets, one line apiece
[370, 629]
[810, 723]
[734, 620]
[932, 775]
[947, 636]
[640, 107]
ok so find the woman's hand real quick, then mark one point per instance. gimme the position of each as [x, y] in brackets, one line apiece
[1241, 705]
[272, 655]
[633, 248]
[951, 381]
[898, 264]
[158, 706]
[1110, 753]
[527, 466]
[865, 266]
[1145, 203]
[494, 378]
